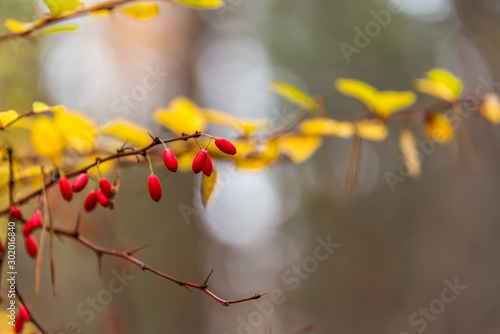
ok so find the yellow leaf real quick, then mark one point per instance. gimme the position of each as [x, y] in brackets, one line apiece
[442, 84]
[371, 129]
[105, 168]
[46, 139]
[29, 172]
[258, 157]
[181, 116]
[39, 107]
[143, 11]
[243, 125]
[490, 108]
[207, 187]
[438, 128]
[321, 126]
[8, 117]
[70, 27]
[17, 27]
[78, 130]
[410, 152]
[299, 148]
[202, 4]
[128, 131]
[294, 95]
[381, 103]
[57, 108]
[100, 13]
[58, 7]
[185, 160]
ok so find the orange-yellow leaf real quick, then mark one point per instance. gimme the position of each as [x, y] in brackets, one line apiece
[17, 27]
[207, 187]
[410, 152]
[142, 11]
[371, 130]
[8, 117]
[202, 4]
[490, 108]
[298, 147]
[46, 139]
[127, 131]
[181, 116]
[242, 125]
[442, 84]
[78, 130]
[322, 126]
[294, 95]
[381, 103]
[438, 128]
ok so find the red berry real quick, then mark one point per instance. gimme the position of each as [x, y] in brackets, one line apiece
[35, 221]
[103, 200]
[36, 218]
[18, 328]
[105, 187]
[31, 246]
[154, 187]
[90, 201]
[1, 247]
[23, 313]
[65, 188]
[208, 168]
[225, 146]
[199, 161]
[80, 182]
[15, 212]
[170, 160]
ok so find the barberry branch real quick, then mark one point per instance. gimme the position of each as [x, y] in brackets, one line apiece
[129, 257]
[47, 19]
[121, 153]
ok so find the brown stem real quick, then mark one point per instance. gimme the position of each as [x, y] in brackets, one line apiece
[120, 154]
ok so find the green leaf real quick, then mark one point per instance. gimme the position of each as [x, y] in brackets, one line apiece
[202, 4]
[57, 29]
[58, 7]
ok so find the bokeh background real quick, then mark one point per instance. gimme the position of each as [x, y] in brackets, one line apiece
[396, 248]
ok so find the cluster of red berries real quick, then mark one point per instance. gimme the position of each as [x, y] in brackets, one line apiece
[101, 196]
[201, 163]
[22, 316]
[34, 222]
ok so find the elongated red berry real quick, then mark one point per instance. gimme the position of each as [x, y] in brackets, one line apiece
[225, 146]
[31, 245]
[170, 160]
[154, 187]
[80, 182]
[1, 247]
[65, 188]
[105, 187]
[90, 201]
[36, 218]
[18, 327]
[35, 221]
[208, 168]
[23, 313]
[15, 212]
[199, 160]
[102, 199]
[21, 318]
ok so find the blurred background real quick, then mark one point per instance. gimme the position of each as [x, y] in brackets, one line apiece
[396, 250]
